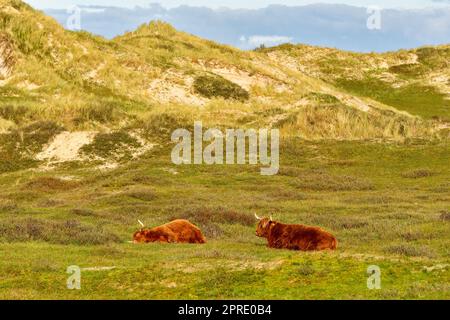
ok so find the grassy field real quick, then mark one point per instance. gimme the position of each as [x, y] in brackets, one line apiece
[372, 165]
[386, 203]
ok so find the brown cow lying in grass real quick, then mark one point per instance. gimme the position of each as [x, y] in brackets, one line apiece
[177, 231]
[294, 236]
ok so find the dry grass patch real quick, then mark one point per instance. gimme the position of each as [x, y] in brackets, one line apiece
[59, 232]
[315, 122]
[44, 184]
[445, 216]
[411, 251]
[417, 174]
[13, 113]
[322, 181]
[8, 206]
[82, 212]
[7, 56]
[143, 194]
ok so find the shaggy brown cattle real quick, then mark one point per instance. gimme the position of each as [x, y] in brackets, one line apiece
[294, 236]
[177, 231]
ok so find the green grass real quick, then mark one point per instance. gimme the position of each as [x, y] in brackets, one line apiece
[424, 101]
[379, 200]
[217, 270]
[386, 202]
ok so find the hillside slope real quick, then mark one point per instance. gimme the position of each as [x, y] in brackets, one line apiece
[417, 81]
[145, 83]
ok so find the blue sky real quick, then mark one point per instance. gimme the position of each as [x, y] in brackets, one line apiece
[236, 3]
[248, 24]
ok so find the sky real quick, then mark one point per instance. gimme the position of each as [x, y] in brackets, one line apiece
[342, 24]
[44, 4]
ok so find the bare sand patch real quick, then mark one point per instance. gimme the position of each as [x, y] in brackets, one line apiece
[174, 87]
[65, 146]
[241, 78]
[9, 10]
[27, 85]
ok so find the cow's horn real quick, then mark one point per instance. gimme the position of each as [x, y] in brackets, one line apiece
[256, 216]
[271, 218]
[140, 222]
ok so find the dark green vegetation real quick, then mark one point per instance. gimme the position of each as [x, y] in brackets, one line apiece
[212, 86]
[19, 146]
[386, 203]
[117, 145]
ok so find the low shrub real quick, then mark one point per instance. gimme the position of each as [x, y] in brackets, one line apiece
[117, 145]
[162, 125]
[214, 86]
[103, 113]
[13, 113]
[51, 184]
[58, 232]
[143, 194]
[417, 174]
[410, 251]
[445, 216]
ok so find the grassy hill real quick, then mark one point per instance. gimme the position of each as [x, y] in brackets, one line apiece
[139, 82]
[85, 127]
[417, 81]
[80, 77]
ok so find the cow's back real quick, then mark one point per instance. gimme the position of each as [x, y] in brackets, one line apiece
[300, 237]
[186, 232]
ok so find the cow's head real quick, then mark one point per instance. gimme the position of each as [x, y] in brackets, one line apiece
[141, 235]
[144, 236]
[263, 227]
